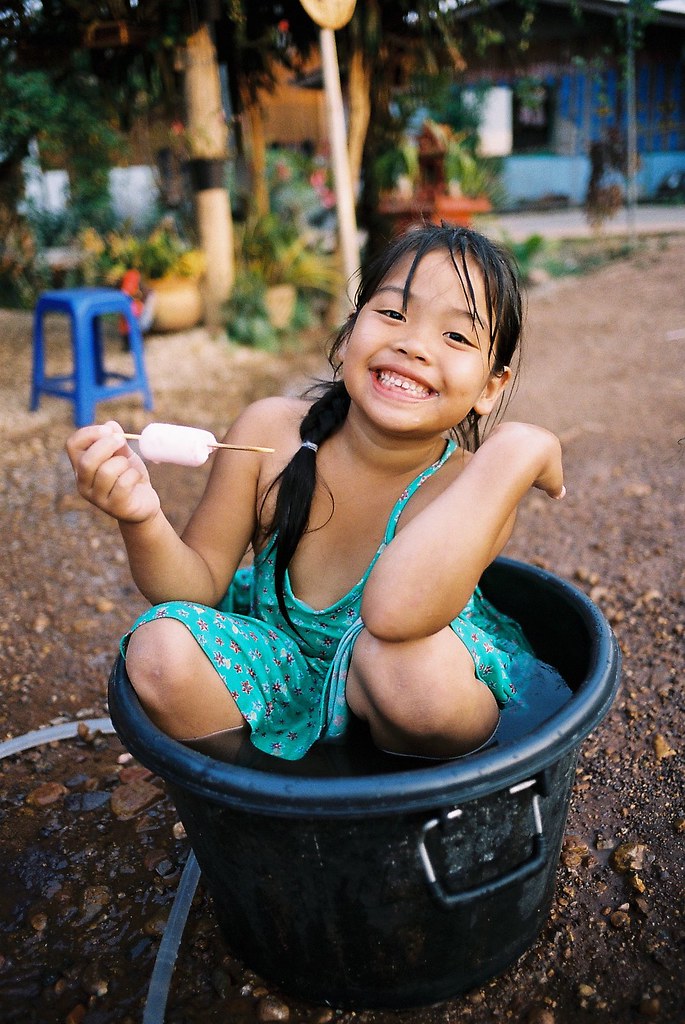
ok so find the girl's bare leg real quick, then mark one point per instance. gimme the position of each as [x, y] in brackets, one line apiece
[420, 697]
[176, 683]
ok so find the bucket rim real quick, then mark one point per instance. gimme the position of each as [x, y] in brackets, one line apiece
[419, 788]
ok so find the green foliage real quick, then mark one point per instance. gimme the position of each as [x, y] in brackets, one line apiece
[274, 250]
[106, 258]
[247, 321]
[300, 186]
[68, 118]
[28, 103]
[245, 316]
[475, 175]
[450, 103]
[48, 227]
[537, 256]
[526, 252]
[395, 162]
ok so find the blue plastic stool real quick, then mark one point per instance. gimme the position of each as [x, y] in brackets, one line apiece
[90, 382]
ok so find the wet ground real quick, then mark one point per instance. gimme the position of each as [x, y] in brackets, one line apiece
[92, 846]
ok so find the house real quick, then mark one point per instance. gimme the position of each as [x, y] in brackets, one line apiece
[550, 96]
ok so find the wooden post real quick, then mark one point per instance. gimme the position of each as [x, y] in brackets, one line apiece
[347, 219]
[208, 134]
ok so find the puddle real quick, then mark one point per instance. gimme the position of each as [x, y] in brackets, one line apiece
[92, 855]
[85, 893]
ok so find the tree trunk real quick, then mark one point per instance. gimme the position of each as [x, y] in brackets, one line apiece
[208, 135]
[359, 101]
[256, 146]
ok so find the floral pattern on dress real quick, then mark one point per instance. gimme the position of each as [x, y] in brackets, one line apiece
[289, 684]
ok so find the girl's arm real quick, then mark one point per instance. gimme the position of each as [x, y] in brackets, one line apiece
[199, 565]
[424, 578]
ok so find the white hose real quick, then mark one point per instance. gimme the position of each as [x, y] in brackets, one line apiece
[65, 731]
[158, 992]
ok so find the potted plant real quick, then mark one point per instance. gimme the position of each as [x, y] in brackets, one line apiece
[396, 170]
[288, 263]
[466, 179]
[169, 267]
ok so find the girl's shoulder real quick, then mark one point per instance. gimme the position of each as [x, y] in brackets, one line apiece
[271, 422]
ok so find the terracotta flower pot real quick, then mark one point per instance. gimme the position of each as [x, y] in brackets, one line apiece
[280, 302]
[459, 209]
[178, 303]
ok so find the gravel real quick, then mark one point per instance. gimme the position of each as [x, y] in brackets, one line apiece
[92, 848]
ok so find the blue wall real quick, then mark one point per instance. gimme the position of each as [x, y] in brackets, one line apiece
[586, 106]
[527, 178]
[530, 178]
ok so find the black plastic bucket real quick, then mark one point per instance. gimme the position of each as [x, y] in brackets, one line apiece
[362, 880]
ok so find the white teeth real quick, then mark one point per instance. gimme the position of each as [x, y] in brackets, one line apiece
[390, 380]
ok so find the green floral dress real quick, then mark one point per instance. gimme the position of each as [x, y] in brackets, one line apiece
[290, 686]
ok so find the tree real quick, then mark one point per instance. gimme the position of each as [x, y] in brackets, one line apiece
[386, 45]
[254, 39]
[109, 58]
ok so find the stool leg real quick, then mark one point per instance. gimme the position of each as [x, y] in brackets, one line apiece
[98, 352]
[38, 373]
[85, 362]
[135, 343]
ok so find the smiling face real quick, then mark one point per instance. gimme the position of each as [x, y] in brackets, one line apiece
[417, 363]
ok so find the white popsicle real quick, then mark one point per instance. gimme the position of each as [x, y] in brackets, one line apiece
[169, 442]
[184, 446]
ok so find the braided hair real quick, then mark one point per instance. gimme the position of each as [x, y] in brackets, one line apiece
[297, 481]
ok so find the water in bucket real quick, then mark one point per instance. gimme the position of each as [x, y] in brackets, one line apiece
[540, 692]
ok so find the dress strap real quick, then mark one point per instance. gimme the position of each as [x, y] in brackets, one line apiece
[404, 497]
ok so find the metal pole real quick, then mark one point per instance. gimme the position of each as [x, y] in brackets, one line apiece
[631, 128]
[347, 220]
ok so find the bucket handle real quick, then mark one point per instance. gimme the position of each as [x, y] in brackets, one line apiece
[532, 866]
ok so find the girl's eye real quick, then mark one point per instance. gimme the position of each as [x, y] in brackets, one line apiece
[457, 339]
[393, 314]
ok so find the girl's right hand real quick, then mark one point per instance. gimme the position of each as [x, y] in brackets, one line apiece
[110, 475]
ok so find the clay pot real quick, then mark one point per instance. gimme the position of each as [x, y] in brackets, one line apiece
[178, 303]
[280, 302]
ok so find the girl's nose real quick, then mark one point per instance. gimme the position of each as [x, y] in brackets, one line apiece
[413, 348]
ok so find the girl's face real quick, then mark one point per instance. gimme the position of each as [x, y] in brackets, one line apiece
[419, 371]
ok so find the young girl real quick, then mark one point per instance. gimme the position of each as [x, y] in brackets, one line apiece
[370, 527]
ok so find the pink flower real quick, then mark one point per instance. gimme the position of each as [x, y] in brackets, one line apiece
[282, 171]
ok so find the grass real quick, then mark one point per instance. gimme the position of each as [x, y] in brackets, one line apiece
[539, 257]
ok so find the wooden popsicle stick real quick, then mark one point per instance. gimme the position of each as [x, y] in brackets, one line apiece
[219, 444]
[242, 447]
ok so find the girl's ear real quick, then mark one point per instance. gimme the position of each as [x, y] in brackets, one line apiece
[496, 384]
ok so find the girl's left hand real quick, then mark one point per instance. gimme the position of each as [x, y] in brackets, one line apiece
[541, 449]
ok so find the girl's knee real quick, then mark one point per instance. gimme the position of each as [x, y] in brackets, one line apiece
[421, 697]
[176, 683]
[157, 657]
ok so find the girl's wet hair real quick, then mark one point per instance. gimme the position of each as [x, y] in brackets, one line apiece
[501, 318]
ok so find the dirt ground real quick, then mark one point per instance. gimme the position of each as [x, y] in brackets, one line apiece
[87, 884]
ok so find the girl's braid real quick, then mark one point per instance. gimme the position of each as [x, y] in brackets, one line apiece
[297, 481]
[326, 414]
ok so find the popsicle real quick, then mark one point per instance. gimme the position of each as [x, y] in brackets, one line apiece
[184, 446]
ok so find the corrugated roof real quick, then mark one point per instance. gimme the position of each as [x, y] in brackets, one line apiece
[673, 6]
[667, 11]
